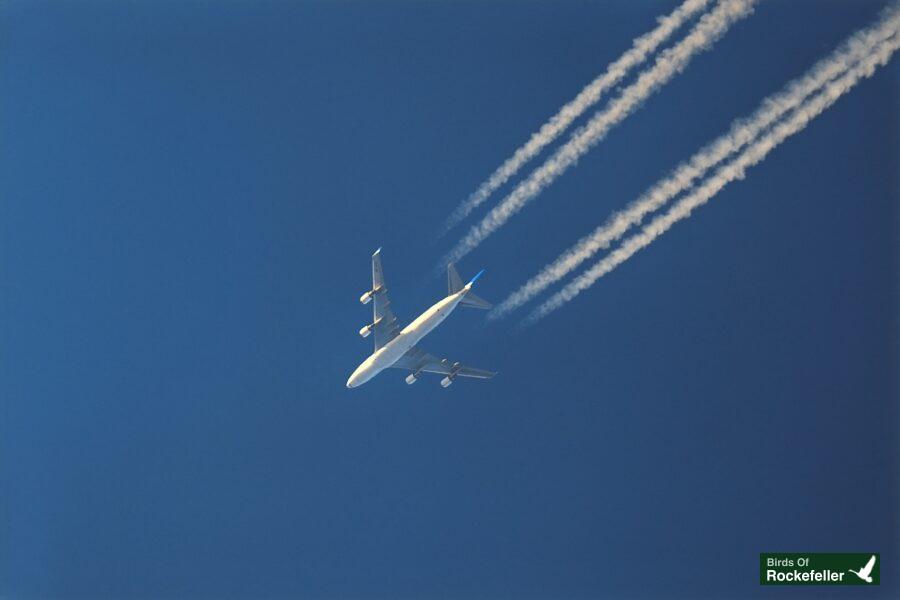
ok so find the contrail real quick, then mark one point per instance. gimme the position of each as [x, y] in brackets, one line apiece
[670, 62]
[641, 48]
[735, 169]
[742, 132]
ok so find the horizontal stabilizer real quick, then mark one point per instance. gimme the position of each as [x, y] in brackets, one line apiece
[455, 284]
[473, 301]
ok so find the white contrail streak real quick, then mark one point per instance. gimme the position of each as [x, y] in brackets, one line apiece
[641, 48]
[742, 132]
[731, 171]
[669, 63]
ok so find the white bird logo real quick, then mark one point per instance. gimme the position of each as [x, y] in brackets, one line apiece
[864, 573]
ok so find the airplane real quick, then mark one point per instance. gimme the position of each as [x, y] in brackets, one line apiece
[865, 572]
[396, 348]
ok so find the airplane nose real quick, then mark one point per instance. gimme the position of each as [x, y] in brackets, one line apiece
[356, 378]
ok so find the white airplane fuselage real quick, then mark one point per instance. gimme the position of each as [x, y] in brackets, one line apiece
[391, 352]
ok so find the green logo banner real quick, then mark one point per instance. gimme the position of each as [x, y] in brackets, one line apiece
[819, 568]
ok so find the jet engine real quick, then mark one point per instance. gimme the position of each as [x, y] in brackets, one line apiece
[411, 378]
[446, 381]
[367, 297]
[365, 331]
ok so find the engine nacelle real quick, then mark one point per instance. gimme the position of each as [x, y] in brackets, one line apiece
[365, 331]
[411, 378]
[367, 297]
[446, 381]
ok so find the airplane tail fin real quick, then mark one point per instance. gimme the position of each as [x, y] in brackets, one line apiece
[455, 284]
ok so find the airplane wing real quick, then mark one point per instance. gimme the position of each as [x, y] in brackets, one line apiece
[386, 327]
[868, 568]
[417, 360]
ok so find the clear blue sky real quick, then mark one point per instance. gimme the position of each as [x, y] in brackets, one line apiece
[190, 196]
